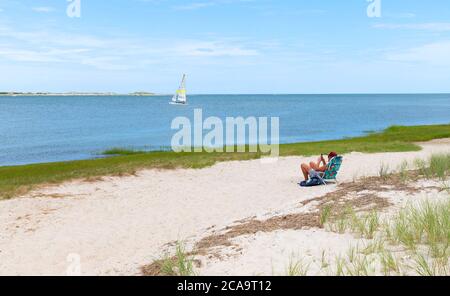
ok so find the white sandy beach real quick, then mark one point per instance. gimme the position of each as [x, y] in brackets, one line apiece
[118, 224]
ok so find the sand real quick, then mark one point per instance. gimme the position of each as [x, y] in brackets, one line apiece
[116, 225]
[316, 250]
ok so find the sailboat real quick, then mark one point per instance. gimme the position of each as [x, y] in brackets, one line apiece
[180, 96]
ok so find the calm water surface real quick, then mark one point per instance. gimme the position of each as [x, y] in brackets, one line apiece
[46, 129]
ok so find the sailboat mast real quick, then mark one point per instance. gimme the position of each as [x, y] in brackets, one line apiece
[180, 95]
[183, 82]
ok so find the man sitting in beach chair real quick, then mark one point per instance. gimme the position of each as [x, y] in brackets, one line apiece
[327, 171]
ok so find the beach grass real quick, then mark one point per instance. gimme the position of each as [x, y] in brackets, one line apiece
[414, 241]
[325, 215]
[297, 267]
[389, 262]
[409, 239]
[121, 151]
[180, 264]
[438, 166]
[364, 225]
[384, 171]
[16, 180]
[428, 223]
[419, 233]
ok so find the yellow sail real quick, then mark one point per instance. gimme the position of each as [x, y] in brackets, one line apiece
[180, 94]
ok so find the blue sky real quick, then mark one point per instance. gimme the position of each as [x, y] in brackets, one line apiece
[226, 46]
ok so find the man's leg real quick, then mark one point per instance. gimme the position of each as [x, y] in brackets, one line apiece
[305, 171]
[314, 166]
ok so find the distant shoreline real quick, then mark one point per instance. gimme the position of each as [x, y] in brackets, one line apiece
[73, 94]
[150, 94]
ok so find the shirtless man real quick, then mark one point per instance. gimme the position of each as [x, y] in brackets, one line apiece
[317, 166]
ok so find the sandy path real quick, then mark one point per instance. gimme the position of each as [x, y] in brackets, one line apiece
[118, 224]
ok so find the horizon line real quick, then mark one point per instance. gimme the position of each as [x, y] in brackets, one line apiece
[145, 93]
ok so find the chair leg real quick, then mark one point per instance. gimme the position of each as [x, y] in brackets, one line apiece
[334, 181]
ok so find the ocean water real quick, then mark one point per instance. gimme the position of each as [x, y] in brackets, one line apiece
[47, 129]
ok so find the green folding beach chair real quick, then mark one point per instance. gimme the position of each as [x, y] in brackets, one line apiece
[330, 174]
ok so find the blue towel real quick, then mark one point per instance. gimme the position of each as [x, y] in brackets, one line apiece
[314, 181]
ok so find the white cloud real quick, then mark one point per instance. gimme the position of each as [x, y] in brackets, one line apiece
[43, 9]
[194, 5]
[205, 4]
[49, 55]
[436, 27]
[212, 49]
[107, 63]
[437, 54]
[50, 38]
[118, 53]
[400, 15]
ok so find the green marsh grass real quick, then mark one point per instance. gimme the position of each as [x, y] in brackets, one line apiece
[16, 180]
[121, 151]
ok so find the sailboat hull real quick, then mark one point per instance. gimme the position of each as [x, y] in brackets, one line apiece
[180, 96]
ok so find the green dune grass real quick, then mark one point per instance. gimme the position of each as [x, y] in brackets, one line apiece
[15, 180]
[121, 151]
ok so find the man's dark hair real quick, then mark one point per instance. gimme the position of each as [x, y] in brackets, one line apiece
[332, 154]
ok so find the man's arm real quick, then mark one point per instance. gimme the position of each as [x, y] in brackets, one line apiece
[325, 164]
[322, 168]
